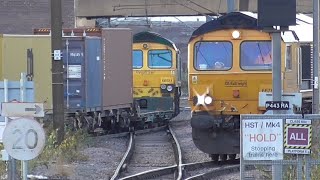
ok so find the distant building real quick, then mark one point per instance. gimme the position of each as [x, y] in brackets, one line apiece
[21, 16]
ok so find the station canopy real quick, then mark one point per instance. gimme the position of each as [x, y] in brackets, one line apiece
[149, 8]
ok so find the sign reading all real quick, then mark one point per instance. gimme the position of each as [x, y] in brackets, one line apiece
[262, 139]
[297, 136]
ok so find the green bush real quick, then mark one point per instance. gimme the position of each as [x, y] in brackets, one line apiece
[2, 164]
[66, 152]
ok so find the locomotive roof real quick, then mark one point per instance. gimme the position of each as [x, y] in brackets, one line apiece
[229, 21]
[302, 31]
[147, 36]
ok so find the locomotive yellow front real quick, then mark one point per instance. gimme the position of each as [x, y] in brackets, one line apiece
[229, 64]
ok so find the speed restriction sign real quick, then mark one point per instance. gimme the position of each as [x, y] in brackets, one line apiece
[23, 139]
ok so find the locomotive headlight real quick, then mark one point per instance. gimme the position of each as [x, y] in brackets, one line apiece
[202, 100]
[236, 34]
[169, 88]
[208, 100]
[163, 86]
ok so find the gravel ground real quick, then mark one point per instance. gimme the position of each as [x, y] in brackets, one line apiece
[181, 126]
[190, 153]
[104, 154]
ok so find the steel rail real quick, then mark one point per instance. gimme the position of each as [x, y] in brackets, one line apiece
[152, 173]
[216, 172]
[125, 158]
[165, 170]
[178, 154]
[209, 164]
[170, 169]
[143, 131]
[219, 171]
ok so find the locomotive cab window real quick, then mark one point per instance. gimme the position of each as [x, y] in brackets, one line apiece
[256, 55]
[137, 59]
[215, 56]
[160, 59]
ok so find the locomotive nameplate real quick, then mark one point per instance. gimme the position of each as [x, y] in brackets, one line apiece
[277, 105]
[143, 72]
[235, 83]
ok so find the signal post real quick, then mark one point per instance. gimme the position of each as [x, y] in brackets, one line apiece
[280, 14]
[57, 69]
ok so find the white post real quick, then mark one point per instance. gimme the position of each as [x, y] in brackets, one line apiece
[22, 99]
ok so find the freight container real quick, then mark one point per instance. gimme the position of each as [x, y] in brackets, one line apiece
[97, 70]
[94, 73]
[117, 67]
[32, 55]
[15, 53]
[99, 74]
[81, 56]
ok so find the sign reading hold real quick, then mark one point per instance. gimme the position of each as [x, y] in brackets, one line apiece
[262, 139]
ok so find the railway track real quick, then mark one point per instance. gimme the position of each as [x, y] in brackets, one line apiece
[152, 152]
[191, 171]
[210, 169]
[148, 142]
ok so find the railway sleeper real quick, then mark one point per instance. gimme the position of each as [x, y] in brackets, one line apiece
[223, 157]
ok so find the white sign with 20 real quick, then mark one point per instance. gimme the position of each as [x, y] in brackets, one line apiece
[24, 139]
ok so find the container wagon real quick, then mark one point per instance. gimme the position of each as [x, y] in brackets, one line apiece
[97, 71]
[155, 106]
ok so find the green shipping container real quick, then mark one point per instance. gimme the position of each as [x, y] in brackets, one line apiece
[14, 60]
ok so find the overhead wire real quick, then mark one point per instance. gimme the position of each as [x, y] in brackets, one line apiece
[204, 7]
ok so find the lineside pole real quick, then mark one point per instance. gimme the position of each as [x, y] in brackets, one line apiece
[57, 70]
[12, 162]
[276, 87]
[276, 67]
[315, 98]
[23, 92]
[230, 4]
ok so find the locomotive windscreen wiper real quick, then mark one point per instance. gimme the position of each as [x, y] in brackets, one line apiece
[159, 55]
[198, 51]
[164, 58]
[260, 52]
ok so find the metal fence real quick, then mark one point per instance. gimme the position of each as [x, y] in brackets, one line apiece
[280, 146]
